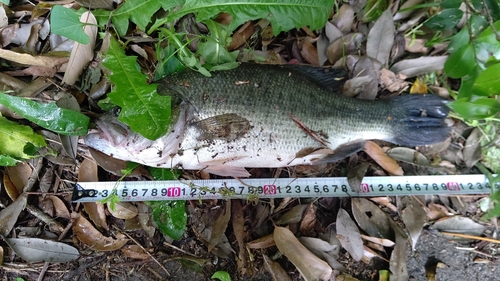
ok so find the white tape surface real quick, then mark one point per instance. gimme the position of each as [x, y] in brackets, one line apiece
[281, 187]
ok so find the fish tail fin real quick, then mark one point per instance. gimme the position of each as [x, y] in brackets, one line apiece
[419, 119]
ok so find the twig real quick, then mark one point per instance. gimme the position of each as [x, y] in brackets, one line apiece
[34, 175]
[151, 256]
[490, 20]
[53, 224]
[43, 271]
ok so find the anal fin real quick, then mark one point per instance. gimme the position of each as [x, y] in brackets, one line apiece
[222, 167]
[227, 171]
[342, 152]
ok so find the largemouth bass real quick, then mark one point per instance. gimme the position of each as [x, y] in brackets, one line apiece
[270, 116]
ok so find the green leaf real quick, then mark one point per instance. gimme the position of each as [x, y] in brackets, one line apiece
[477, 23]
[488, 35]
[143, 109]
[8, 161]
[494, 8]
[139, 12]
[283, 15]
[373, 10]
[48, 115]
[488, 82]
[446, 19]
[66, 22]
[467, 82]
[14, 138]
[213, 48]
[460, 39]
[478, 109]
[164, 174]
[167, 61]
[447, 4]
[171, 217]
[461, 62]
[221, 275]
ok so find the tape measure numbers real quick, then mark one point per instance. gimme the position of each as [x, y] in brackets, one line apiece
[281, 187]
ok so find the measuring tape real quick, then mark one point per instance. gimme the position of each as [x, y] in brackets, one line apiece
[281, 187]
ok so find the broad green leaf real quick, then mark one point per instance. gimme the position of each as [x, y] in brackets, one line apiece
[14, 138]
[467, 82]
[221, 275]
[448, 4]
[488, 35]
[48, 115]
[142, 108]
[8, 161]
[283, 15]
[66, 22]
[478, 109]
[460, 39]
[213, 48]
[373, 10]
[139, 12]
[164, 174]
[446, 19]
[488, 82]
[171, 217]
[477, 23]
[461, 62]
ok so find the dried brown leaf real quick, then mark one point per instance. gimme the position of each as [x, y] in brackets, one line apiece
[349, 236]
[241, 36]
[9, 215]
[81, 54]
[261, 243]
[220, 225]
[294, 215]
[371, 219]
[380, 241]
[392, 82]
[60, 209]
[308, 220]
[418, 66]
[414, 217]
[398, 261]
[27, 59]
[277, 272]
[10, 188]
[124, 210]
[308, 51]
[69, 143]
[344, 18]
[88, 235]
[387, 163]
[459, 224]
[309, 265]
[380, 38]
[135, 252]
[19, 175]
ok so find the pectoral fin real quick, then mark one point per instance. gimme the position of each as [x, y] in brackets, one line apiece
[342, 152]
[228, 127]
